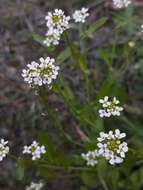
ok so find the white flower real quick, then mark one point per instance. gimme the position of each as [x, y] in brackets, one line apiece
[35, 186]
[104, 101]
[26, 150]
[52, 37]
[43, 73]
[121, 3]
[109, 107]
[111, 147]
[80, 15]
[131, 44]
[4, 149]
[141, 29]
[35, 150]
[57, 20]
[119, 135]
[90, 157]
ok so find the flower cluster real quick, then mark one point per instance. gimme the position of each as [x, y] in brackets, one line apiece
[121, 3]
[35, 150]
[57, 22]
[4, 149]
[109, 107]
[52, 37]
[90, 157]
[112, 147]
[80, 15]
[42, 73]
[35, 186]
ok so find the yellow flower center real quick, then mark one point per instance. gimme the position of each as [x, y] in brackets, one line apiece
[112, 106]
[113, 144]
[46, 71]
[33, 149]
[56, 19]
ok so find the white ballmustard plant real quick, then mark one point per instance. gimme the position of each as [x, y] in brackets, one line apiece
[111, 146]
[35, 186]
[90, 157]
[57, 20]
[109, 107]
[121, 3]
[43, 73]
[4, 149]
[80, 15]
[35, 150]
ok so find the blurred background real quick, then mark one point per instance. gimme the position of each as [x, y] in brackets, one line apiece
[20, 113]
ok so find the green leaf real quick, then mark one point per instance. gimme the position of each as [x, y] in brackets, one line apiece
[114, 176]
[54, 155]
[40, 40]
[83, 188]
[98, 126]
[43, 138]
[102, 168]
[118, 91]
[112, 88]
[104, 89]
[95, 26]
[20, 169]
[105, 56]
[84, 113]
[79, 59]
[47, 173]
[89, 179]
[65, 54]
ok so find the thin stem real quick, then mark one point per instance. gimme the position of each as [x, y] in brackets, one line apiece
[114, 46]
[82, 56]
[69, 168]
[55, 167]
[103, 183]
[13, 157]
[54, 115]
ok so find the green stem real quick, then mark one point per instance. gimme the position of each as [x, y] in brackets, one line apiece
[114, 46]
[55, 167]
[53, 116]
[13, 157]
[84, 72]
[69, 168]
[103, 183]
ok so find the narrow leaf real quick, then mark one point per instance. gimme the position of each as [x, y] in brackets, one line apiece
[20, 169]
[95, 26]
[65, 54]
[40, 40]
